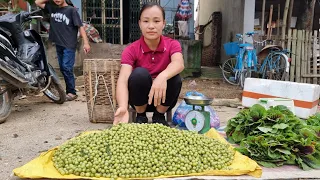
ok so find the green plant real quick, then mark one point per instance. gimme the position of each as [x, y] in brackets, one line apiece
[276, 137]
[168, 29]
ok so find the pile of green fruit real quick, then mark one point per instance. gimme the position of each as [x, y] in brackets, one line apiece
[141, 150]
[275, 137]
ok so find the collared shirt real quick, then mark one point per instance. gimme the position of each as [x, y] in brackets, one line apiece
[138, 54]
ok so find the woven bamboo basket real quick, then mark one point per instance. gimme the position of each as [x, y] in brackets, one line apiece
[100, 77]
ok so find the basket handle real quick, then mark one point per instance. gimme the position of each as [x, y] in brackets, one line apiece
[96, 90]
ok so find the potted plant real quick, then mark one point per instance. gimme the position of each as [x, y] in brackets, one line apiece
[168, 31]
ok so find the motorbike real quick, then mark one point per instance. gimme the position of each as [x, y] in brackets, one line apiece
[24, 67]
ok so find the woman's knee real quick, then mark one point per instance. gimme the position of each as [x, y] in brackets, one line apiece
[140, 75]
[175, 81]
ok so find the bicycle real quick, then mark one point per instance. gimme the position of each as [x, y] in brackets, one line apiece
[236, 70]
[274, 66]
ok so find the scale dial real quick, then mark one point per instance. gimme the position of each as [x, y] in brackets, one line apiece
[195, 121]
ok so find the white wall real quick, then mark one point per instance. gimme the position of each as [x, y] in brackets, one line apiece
[248, 24]
[232, 18]
[207, 7]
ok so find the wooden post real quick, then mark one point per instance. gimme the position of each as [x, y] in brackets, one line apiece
[303, 65]
[289, 48]
[113, 85]
[290, 14]
[278, 21]
[263, 13]
[293, 60]
[315, 39]
[298, 60]
[307, 55]
[270, 22]
[284, 22]
[89, 70]
[310, 53]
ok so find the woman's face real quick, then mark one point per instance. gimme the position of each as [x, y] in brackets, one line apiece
[152, 23]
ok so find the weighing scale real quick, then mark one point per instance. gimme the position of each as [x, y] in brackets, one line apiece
[198, 119]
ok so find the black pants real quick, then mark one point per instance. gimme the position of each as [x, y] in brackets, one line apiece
[139, 85]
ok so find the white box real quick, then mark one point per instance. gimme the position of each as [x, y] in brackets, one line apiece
[305, 96]
[271, 102]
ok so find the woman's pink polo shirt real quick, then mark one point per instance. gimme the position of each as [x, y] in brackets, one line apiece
[138, 54]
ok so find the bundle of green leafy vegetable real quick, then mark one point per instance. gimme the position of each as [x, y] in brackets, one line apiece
[275, 137]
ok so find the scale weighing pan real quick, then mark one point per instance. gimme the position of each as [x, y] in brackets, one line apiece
[198, 100]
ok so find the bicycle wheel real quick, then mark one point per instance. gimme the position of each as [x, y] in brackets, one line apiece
[276, 67]
[246, 71]
[228, 71]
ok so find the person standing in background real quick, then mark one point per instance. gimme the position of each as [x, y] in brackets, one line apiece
[65, 23]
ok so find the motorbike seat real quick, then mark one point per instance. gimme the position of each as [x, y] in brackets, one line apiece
[7, 18]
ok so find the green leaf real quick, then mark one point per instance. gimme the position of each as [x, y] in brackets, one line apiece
[267, 164]
[231, 141]
[284, 151]
[302, 165]
[265, 129]
[277, 137]
[312, 162]
[273, 155]
[280, 126]
[238, 128]
[237, 136]
[274, 131]
[242, 150]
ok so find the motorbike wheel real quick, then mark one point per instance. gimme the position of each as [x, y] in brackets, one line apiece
[56, 93]
[5, 105]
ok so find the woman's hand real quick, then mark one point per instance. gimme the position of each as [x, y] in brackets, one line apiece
[158, 90]
[121, 116]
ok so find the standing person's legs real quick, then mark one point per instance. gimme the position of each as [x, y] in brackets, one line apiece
[59, 50]
[66, 58]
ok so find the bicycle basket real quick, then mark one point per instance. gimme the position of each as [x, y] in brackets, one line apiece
[231, 48]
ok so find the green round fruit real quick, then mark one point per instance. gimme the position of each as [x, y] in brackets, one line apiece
[140, 151]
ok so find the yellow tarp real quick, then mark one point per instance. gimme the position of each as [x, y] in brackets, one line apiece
[42, 166]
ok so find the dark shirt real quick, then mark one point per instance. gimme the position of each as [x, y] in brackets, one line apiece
[64, 25]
